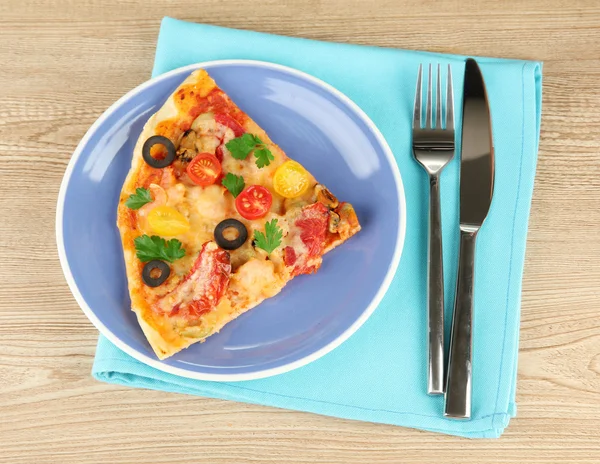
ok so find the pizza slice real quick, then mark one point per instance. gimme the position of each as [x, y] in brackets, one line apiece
[214, 218]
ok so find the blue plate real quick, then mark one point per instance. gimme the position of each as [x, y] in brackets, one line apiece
[314, 124]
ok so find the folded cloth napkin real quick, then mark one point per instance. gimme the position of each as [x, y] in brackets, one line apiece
[380, 373]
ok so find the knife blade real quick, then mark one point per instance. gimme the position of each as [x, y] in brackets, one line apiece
[476, 192]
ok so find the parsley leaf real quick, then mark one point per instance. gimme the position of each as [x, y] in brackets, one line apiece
[139, 198]
[271, 239]
[241, 147]
[263, 157]
[149, 248]
[235, 184]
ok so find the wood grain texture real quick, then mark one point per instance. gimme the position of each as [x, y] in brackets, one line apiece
[64, 61]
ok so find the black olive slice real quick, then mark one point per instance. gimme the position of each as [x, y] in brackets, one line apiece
[150, 266]
[237, 242]
[158, 140]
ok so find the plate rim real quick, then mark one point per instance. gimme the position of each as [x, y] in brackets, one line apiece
[259, 374]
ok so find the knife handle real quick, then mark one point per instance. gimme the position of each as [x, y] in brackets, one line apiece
[435, 291]
[458, 387]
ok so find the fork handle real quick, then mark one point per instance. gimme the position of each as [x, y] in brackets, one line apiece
[435, 293]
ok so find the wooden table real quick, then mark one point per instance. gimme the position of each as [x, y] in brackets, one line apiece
[63, 62]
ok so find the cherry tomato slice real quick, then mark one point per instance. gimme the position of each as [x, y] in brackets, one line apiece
[290, 179]
[204, 169]
[228, 121]
[254, 202]
[165, 220]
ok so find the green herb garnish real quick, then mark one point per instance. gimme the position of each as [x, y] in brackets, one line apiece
[149, 248]
[271, 239]
[263, 157]
[235, 184]
[139, 198]
[241, 147]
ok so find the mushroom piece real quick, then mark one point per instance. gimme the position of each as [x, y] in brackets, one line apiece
[347, 214]
[187, 146]
[334, 222]
[326, 197]
[348, 224]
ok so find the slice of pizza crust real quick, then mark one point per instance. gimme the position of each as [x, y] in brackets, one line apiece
[209, 286]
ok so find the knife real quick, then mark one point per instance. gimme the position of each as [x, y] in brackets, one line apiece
[476, 190]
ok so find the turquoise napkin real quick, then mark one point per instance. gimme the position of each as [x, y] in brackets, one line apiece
[379, 374]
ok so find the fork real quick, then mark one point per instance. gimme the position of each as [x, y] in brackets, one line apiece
[433, 148]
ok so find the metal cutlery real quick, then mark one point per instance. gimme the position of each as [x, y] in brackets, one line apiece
[433, 148]
[476, 190]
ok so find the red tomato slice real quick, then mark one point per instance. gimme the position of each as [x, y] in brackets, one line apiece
[219, 153]
[299, 265]
[313, 227]
[228, 121]
[289, 256]
[204, 286]
[254, 202]
[204, 169]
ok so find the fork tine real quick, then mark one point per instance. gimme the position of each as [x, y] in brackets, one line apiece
[418, 99]
[428, 118]
[449, 102]
[438, 99]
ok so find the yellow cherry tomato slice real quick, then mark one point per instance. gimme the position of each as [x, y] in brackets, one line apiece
[165, 220]
[291, 179]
